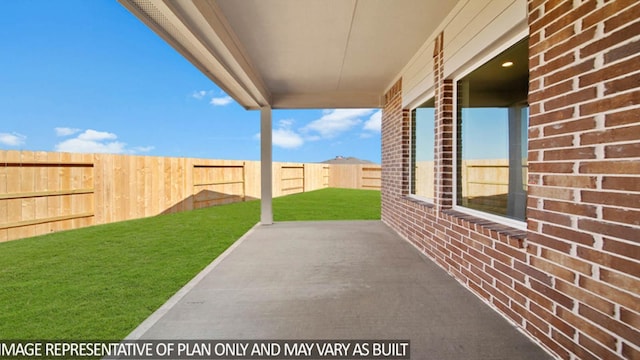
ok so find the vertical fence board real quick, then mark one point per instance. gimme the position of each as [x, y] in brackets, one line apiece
[166, 184]
[98, 188]
[175, 182]
[120, 190]
[158, 190]
[150, 186]
[27, 184]
[41, 184]
[87, 183]
[131, 200]
[54, 203]
[75, 183]
[252, 179]
[65, 184]
[137, 177]
[14, 206]
[104, 189]
[188, 184]
[176, 185]
[108, 189]
[325, 175]
[172, 175]
[3, 190]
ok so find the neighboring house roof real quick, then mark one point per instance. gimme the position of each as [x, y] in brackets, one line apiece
[347, 161]
[297, 54]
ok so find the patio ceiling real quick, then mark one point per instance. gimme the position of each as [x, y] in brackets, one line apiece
[293, 53]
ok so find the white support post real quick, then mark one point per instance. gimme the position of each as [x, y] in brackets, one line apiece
[266, 166]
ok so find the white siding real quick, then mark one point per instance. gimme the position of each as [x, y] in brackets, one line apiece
[473, 30]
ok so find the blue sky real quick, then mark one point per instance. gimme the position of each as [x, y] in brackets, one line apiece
[486, 133]
[87, 76]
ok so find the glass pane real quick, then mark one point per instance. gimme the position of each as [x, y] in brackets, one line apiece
[485, 162]
[422, 146]
[492, 127]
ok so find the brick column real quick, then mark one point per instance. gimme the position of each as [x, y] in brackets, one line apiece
[443, 155]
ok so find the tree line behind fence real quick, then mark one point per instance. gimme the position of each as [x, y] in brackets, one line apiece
[43, 192]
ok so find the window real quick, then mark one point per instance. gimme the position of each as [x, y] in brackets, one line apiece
[492, 126]
[422, 146]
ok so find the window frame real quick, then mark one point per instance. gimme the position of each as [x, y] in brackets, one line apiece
[423, 99]
[469, 68]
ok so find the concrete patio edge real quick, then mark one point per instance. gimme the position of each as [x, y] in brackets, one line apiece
[158, 314]
[515, 325]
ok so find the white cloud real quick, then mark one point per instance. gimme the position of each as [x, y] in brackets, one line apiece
[221, 101]
[199, 95]
[286, 123]
[374, 123]
[334, 122]
[312, 138]
[143, 148]
[93, 135]
[93, 141]
[13, 139]
[65, 131]
[331, 124]
[77, 145]
[285, 137]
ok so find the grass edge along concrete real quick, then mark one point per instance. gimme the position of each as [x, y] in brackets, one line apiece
[100, 282]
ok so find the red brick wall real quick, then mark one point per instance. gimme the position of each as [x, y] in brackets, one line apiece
[572, 280]
[395, 152]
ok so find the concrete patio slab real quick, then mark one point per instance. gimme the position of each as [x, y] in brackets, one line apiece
[336, 280]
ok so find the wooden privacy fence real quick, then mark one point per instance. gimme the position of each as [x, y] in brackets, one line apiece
[43, 192]
[218, 184]
[359, 176]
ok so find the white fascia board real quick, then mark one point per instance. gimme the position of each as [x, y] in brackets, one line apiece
[227, 47]
[183, 26]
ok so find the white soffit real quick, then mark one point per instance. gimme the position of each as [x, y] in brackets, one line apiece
[297, 53]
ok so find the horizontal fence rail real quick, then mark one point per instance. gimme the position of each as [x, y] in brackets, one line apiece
[292, 179]
[44, 192]
[218, 184]
[358, 176]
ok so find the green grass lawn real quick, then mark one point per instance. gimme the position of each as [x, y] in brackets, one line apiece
[100, 282]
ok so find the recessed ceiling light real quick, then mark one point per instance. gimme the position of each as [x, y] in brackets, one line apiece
[507, 64]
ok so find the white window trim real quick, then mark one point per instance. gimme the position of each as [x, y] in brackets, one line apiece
[518, 224]
[418, 102]
[521, 225]
[422, 199]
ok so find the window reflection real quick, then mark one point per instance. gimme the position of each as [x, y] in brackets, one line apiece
[422, 147]
[492, 135]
